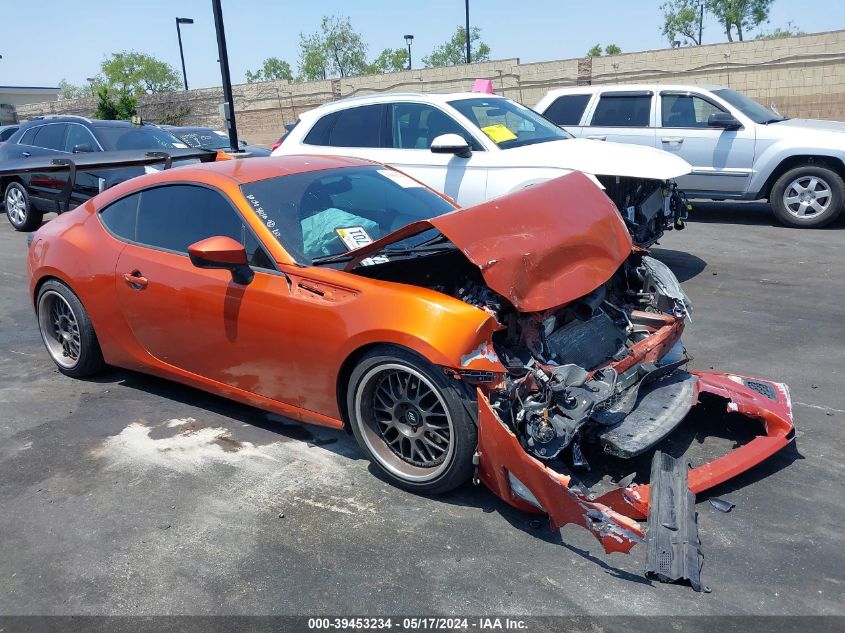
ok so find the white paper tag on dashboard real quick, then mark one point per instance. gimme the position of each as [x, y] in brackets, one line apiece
[354, 237]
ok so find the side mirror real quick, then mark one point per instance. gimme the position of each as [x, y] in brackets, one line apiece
[222, 252]
[723, 120]
[451, 144]
[81, 148]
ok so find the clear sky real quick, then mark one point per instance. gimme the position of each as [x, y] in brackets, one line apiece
[48, 40]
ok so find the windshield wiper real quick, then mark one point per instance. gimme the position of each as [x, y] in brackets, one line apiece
[331, 259]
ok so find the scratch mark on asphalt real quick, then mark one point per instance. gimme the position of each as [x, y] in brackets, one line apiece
[820, 408]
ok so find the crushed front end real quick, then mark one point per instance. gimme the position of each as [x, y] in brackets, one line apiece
[604, 378]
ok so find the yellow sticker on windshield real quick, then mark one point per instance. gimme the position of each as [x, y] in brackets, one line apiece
[498, 133]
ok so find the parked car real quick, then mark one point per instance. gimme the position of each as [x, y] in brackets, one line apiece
[208, 138]
[6, 131]
[29, 196]
[738, 149]
[475, 147]
[515, 337]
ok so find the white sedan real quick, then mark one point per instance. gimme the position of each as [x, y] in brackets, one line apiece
[474, 147]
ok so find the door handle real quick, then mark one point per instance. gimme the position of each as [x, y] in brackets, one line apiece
[26, 154]
[672, 139]
[135, 280]
[597, 137]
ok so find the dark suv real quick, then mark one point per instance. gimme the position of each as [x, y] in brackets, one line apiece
[28, 196]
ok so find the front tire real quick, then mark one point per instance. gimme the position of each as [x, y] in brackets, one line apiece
[19, 209]
[412, 420]
[808, 196]
[67, 331]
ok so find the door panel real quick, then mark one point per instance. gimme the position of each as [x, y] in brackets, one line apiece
[721, 159]
[622, 117]
[200, 321]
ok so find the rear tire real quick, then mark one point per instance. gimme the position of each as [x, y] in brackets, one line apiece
[809, 196]
[19, 209]
[67, 331]
[412, 420]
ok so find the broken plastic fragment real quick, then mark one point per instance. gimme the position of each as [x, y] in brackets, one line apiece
[722, 505]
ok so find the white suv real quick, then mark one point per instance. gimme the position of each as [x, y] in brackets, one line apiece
[738, 149]
[474, 147]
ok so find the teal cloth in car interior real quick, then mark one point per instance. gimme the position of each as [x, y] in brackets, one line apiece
[319, 236]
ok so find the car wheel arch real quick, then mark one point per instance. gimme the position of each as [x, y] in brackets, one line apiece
[791, 162]
[349, 364]
[51, 277]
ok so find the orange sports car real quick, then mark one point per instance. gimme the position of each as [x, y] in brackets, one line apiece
[515, 343]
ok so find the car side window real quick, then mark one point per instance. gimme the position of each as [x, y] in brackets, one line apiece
[567, 109]
[121, 217]
[29, 136]
[416, 125]
[173, 217]
[79, 135]
[679, 110]
[319, 134]
[51, 136]
[616, 110]
[355, 127]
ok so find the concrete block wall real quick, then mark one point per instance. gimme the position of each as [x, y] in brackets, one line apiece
[804, 76]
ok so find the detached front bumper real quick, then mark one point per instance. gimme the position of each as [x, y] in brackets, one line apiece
[527, 483]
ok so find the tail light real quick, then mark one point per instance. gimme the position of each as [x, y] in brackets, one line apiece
[276, 145]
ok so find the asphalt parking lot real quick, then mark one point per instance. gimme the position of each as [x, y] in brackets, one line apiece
[130, 495]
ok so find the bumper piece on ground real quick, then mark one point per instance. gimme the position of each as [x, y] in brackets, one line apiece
[674, 552]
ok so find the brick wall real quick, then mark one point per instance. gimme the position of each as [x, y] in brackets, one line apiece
[804, 76]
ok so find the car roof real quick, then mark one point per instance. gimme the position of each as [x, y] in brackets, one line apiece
[629, 87]
[237, 171]
[440, 98]
[187, 128]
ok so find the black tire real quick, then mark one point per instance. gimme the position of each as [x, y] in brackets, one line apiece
[67, 331]
[826, 182]
[442, 465]
[22, 214]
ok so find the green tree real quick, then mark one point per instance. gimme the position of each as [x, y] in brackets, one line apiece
[109, 109]
[790, 31]
[681, 19]
[272, 69]
[595, 51]
[742, 15]
[390, 60]
[313, 58]
[453, 51]
[134, 74]
[68, 90]
[612, 49]
[346, 50]
[336, 50]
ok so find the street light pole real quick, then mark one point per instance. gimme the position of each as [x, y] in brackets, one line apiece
[700, 21]
[408, 40]
[467, 32]
[181, 52]
[228, 106]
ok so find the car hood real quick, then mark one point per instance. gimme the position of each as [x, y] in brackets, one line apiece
[600, 158]
[810, 124]
[540, 247]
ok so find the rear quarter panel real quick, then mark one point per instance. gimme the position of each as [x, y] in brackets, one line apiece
[75, 249]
